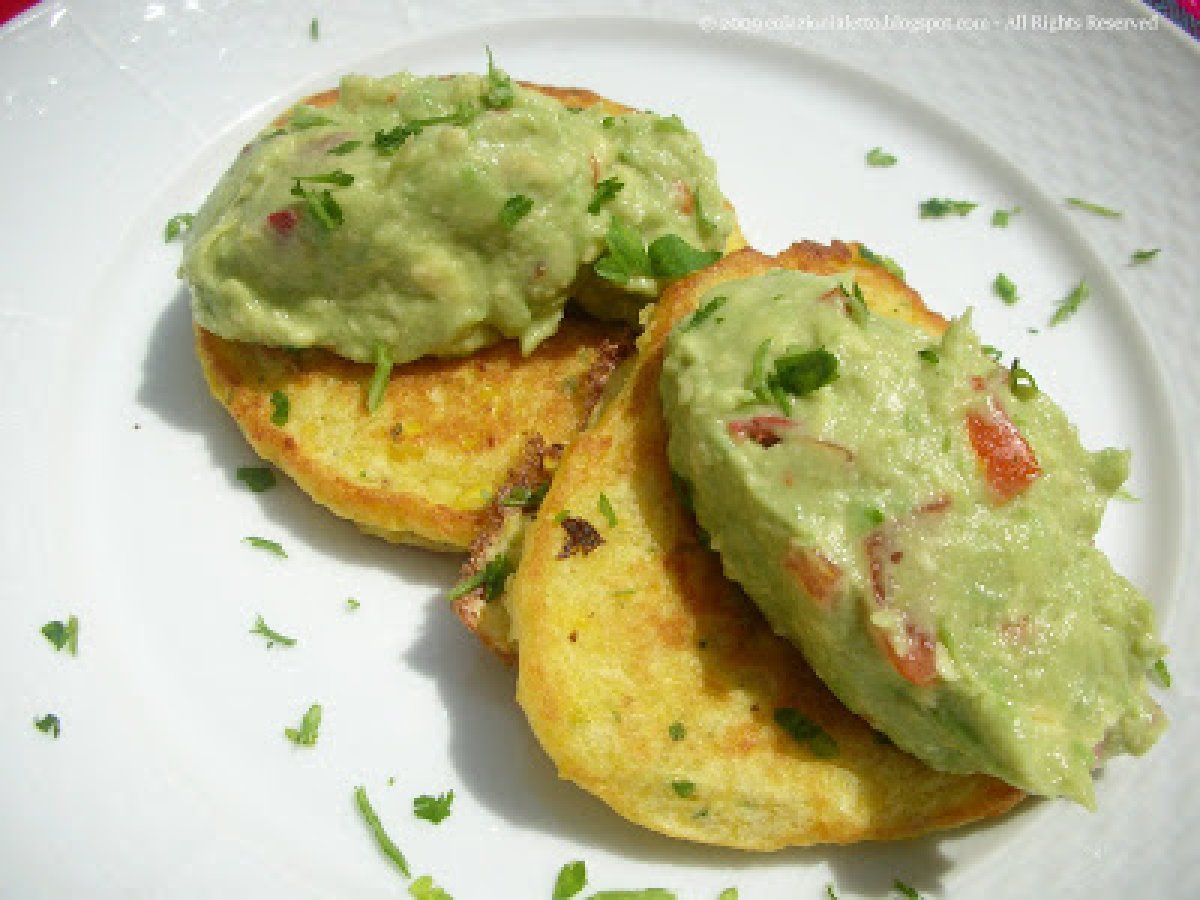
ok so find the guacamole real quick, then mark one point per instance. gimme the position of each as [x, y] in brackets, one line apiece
[919, 521]
[421, 216]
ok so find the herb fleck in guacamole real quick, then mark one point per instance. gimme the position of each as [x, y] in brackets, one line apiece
[434, 216]
[919, 521]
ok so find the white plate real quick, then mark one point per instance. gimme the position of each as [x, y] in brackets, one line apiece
[172, 778]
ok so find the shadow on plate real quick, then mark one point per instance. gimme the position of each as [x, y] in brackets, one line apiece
[503, 768]
[174, 390]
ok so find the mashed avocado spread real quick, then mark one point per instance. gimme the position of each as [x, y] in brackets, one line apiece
[421, 216]
[919, 521]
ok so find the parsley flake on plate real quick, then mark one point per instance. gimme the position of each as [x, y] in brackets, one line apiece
[48, 724]
[306, 735]
[1001, 217]
[730, 893]
[1161, 673]
[879, 158]
[1071, 303]
[63, 635]
[1020, 382]
[645, 894]
[1005, 289]
[906, 891]
[938, 208]
[880, 260]
[177, 226]
[433, 809]
[314, 29]
[1143, 256]
[423, 888]
[390, 850]
[1094, 208]
[572, 878]
[352, 604]
[260, 543]
[273, 637]
[256, 478]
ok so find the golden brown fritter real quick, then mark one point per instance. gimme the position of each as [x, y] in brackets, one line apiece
[650, 679]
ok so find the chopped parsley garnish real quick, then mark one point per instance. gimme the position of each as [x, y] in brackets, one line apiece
[177, 226]
[264, 544]
[491, 578]
[379, 378]
[433, 809]
[937, 208]
[677, 731]
[1001, 216]
[929, 355]
[830, 894]
[48, 724]
[805, 731]
[61, 635]
[515, 208]
[1094, 208]
[606, 510]
[423, 888]
[381, 838]
[669, 256]
[280, 408]
[887, 262]
[525, 498]
[352, 603]
[909, 893]
[337, 178]
[605, 191]
[758, 373]
[608, 122]
[314, 29]
[345, 147]
[626, 255]
[388, 142]
[1161, 673]
[684, 789]
[706, 226]
[306, 117]
[1005, 289]
[500, 93]
[800, 374]
[728, 894]
[992, 353]
[572, 878]
[876, 156]
[273, 637]
[670, 124]
[1020, 382]
[306, 734]
[673, 257]
[870, 517]
[645, 894]
[1071, 303]
[1143, 256]
[257, 478]
[856, 305]
[324, 210]
[704, 313]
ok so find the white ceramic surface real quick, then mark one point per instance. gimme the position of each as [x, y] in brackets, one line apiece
[172, 778]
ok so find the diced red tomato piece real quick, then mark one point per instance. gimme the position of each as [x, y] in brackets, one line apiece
[283, 221]
[919, 665]
[1009, 464]
[763, 430]
[816, 573]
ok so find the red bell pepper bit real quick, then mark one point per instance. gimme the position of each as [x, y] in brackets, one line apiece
[763, 430]
[283, 221]
[1009, 463]
[819, 576]
[918, 665]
